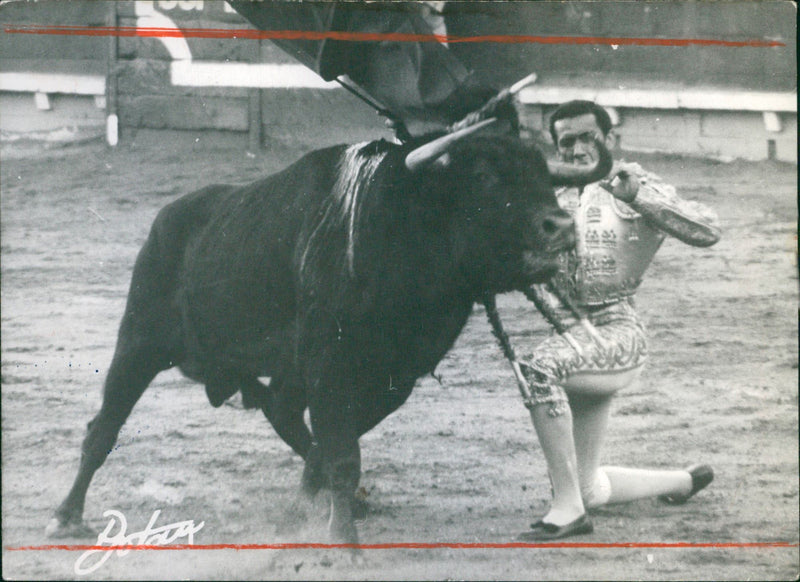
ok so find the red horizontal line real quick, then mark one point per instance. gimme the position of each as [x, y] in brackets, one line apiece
[248, 33]
[408, 546]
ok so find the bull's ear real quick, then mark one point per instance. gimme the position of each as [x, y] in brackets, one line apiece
[434, 150]
[443, 161]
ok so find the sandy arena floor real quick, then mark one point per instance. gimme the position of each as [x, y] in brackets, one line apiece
[459, 462]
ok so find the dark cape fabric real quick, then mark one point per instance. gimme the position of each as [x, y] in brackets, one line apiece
[425, 84]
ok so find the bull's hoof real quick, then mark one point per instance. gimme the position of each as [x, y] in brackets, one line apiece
[71, 529]
[343, 531]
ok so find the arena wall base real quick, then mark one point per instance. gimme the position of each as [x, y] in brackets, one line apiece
[718, 132]
[22, 114]
[310, 115]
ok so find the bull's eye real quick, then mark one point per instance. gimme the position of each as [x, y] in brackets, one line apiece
[549, 226]
[486, 177]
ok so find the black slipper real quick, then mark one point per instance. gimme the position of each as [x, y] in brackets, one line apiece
[542, 531]
[702, 475]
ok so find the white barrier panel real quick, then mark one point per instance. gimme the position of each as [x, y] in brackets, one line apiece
[253, 75]
[53, 83]
[664, 98]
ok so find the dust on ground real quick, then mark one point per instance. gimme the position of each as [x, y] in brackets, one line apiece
[459, 462]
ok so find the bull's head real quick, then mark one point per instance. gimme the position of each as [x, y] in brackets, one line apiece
[561, 173]
[508, 228]
[496, 206]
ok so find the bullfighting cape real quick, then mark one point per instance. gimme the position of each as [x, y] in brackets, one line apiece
[427, 84]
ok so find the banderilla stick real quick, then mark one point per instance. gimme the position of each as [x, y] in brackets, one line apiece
[534, 294]
[505, 344]
[567, 301]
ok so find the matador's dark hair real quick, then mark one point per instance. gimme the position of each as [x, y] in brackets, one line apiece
[580, 107]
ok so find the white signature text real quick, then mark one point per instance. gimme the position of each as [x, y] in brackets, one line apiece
[89, 561]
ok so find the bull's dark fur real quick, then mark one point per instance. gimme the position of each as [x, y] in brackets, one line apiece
[347, 207]
[344, 278]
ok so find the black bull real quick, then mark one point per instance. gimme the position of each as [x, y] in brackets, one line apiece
[344, 278]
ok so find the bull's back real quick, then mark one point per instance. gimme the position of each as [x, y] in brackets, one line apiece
[235, 274]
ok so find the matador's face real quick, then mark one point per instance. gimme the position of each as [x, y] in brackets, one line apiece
[577, 139]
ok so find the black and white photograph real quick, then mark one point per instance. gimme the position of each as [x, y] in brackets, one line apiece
[399, 290]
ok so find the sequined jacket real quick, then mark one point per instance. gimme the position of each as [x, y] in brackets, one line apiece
[616, 241]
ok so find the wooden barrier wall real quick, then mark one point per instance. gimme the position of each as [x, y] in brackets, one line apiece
[145, 96]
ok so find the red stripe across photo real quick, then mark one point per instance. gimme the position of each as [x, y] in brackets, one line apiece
[413, 546]
[248, 33]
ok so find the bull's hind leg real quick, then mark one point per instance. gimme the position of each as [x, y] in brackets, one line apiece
[372, 407]
[149, 341]
[130, 373]
[284, 409]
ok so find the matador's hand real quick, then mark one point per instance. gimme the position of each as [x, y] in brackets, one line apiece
[623, 183]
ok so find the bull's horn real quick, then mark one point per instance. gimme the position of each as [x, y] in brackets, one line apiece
[522, 83]
[427, 153]
[566, 174]
[489, 109]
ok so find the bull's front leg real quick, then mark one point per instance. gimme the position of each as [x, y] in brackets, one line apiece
[333, 422]
[344, 472]
[328, 359]
[335, 431]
